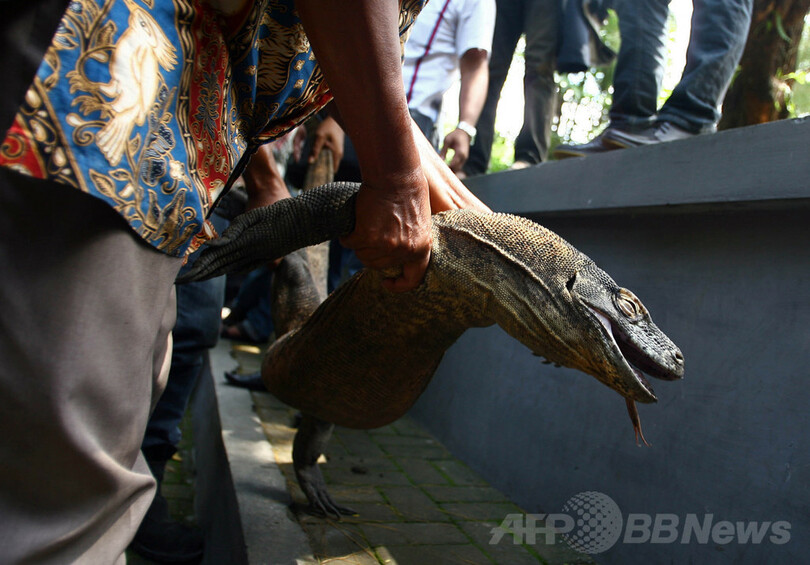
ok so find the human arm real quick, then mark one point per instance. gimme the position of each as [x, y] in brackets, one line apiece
[474, 70]
[358, 49]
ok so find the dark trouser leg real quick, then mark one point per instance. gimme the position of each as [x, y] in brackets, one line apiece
[640, 65]
[508, 28]
[719, 31]
[539, 88]
[88, 308]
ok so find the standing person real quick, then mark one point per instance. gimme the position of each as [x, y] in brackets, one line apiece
[539, 21]
[719, 31]
[451, 39]
[136, 117]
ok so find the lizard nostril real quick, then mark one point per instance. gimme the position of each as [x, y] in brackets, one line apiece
[678, 357]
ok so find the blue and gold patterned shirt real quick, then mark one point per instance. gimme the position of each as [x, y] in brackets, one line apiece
[151, 104]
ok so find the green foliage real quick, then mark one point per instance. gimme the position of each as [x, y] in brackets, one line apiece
[585, 98]
[503, 154]
[799, 101]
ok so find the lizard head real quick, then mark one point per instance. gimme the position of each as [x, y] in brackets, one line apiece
[560, 304]
[620, 327]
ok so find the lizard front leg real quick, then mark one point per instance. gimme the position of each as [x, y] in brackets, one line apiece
[310, 442]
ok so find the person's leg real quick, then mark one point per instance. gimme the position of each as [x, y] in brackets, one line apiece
[508, 28]
[541, 21]
[719, 31]
[84, 339]
[640, 64]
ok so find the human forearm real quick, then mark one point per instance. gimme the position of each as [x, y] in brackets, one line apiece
[474, 80]
[474, 70]
[359, 50]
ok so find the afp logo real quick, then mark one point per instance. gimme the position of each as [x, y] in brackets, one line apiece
[591, 522]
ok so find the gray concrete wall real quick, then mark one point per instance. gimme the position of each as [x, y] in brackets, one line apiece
[713, 235]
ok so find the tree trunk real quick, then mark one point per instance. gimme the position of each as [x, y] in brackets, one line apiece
[758, 92]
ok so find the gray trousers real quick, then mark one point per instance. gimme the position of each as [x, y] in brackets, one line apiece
[538, 20]
[85, 346]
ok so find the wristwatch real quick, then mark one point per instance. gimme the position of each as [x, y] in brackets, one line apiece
[467, 128]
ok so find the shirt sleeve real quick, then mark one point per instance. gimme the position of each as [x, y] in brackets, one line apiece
[408, 11]
[476, 26]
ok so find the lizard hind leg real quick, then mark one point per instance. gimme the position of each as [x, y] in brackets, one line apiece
[308, 445]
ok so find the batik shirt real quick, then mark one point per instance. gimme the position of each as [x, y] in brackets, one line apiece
[151, 104]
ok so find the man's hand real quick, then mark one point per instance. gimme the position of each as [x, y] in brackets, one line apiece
[328, 135]
[393, 230]
[447, 192]
[459, 142]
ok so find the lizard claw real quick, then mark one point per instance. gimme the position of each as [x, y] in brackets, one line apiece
[320, 501]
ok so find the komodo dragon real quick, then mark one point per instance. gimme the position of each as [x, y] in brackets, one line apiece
[365, 355]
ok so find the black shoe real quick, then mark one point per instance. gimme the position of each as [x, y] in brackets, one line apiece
[662, 132]
[598, 144]
[250, 381]
[164, 540]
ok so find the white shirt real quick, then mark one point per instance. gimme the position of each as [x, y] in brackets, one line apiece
[443, 32]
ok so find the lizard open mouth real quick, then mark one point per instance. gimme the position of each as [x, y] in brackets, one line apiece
[640, 362]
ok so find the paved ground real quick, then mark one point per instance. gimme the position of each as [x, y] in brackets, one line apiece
[416, 503]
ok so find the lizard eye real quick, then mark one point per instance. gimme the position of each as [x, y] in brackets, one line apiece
[629, 305]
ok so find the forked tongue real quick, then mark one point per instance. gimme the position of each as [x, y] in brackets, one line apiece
[634, 417]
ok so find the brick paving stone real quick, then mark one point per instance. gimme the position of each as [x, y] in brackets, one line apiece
[346, 477]
[359, 558]
[407, 427]
[278, 434]
[397, 440]
[368, 512]
[493, 511]
[359, 464]
[464, 494]
[506, 551]
[459, 473]
[420, 471]
[424, 452]
[385, 430]
[356, 493]
[433, 555]
[413, 504]
[267, 400]
[335, 449]
[335, 539]
[358, 444]
[417, 533]
[279, 416]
